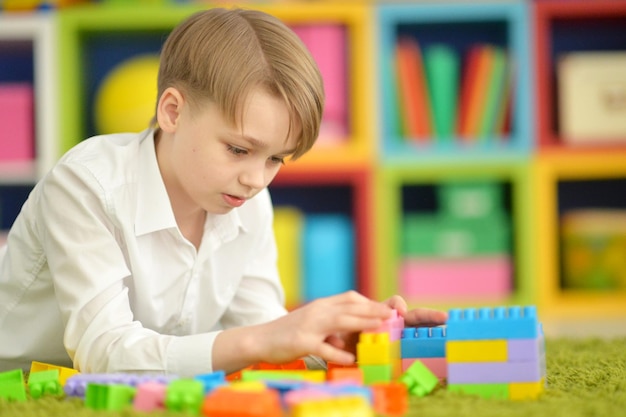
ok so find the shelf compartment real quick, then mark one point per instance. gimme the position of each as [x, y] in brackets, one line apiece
[458, 26]
[28, 47]
[392, 206]
[556, 175]
[565, 27]
[346, 191]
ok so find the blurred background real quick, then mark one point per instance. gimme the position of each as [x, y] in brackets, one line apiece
[472, 153]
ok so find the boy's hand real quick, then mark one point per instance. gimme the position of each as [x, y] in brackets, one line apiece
[419, 317]
[317, 328]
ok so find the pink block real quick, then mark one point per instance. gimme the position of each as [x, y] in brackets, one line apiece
[16, 119]
[150, 396]
[393, 326]
[438, 366]
[457, 278]
[327, 44]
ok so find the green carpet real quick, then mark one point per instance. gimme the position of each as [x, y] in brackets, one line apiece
[585, 378]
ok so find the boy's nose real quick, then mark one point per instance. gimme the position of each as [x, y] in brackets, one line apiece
[253, 177]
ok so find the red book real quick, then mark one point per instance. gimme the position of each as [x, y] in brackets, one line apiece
[413, 93]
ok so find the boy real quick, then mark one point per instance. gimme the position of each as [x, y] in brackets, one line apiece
[154, 251]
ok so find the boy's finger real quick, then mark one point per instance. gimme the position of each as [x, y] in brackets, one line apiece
[425, 317]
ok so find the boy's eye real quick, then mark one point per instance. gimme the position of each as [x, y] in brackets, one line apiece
[277, 160]
[236, 151]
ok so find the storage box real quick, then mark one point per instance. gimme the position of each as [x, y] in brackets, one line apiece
[592, 97]
[16, 119]
[594, 249]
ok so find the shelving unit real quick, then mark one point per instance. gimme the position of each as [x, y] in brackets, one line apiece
[374, 174]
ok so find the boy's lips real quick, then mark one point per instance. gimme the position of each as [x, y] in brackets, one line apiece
[233, 201]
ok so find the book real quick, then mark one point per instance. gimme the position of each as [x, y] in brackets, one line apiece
[442, 73]
[413, 90]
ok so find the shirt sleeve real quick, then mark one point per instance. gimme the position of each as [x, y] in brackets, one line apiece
[89, 271]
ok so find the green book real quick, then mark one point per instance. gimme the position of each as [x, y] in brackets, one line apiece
[442, 74]
[495, 92]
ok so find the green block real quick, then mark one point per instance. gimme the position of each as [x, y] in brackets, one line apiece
[500, 391]
[427, 235]
[470, 200]
[44, 383]
[419, 380]
[376, 373]
[111, 397]
[12, 385]
[259, 375]
[184, 395]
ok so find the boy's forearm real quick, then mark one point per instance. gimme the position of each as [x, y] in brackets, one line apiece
[237, 348]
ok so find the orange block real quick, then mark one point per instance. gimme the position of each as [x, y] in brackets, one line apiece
[390, 399]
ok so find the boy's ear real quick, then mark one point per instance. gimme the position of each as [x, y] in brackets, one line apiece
[168, 109]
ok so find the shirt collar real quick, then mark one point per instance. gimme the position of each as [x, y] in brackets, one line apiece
[154, 210]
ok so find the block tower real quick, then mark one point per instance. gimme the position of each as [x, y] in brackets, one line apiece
[378, 351]
[496, 352]
[427, 345]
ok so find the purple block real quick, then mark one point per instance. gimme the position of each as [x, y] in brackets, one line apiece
[494, 372]
[525, 350]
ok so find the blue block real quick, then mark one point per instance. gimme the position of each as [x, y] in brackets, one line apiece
[493, 323]
[423, 342]
[329, 262]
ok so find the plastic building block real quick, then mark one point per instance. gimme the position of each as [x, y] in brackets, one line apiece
[374, 349]
[340, 406]
[184, 395]
[44, 383]
[438, 366]
[376, 373]
[211, 380]
[526, 390]
[12, 385]
[393, 326]
[224, 402]
[150, 396]
[477, 351]
[354, 375]
[297, 365]
[391, 399]
[64, 372]
[493, 323]
[243, 385]
[311, 375]
[500, 391]
[423, 342]
[494, 372]
[76, 385]
[112, 397]
[419, 380]
[520, 350]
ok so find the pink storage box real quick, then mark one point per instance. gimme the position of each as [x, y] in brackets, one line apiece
[16, 118]
[456, 278]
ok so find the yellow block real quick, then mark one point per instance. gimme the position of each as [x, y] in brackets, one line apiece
[525, 390]
[247, 386]
[476, 351]
[355, 406]
[374, 349]
[64, 373]
[288, 223]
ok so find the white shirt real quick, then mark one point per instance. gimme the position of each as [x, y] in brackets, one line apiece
[97, 273]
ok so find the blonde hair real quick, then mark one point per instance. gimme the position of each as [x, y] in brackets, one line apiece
[223, 54]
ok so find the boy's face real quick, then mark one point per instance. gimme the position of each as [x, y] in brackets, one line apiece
[216, 166]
